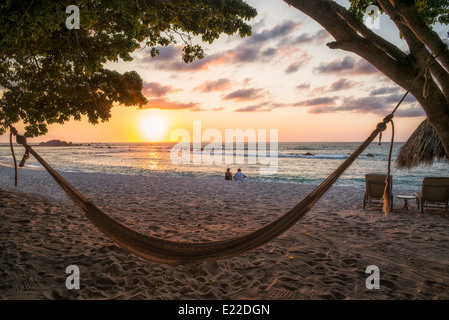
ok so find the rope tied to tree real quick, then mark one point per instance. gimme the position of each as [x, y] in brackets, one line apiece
[424, 71]
[13, 157]
[388, 187]
[20, 140]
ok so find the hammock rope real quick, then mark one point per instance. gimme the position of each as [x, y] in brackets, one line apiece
[173, 252]
[176, 252]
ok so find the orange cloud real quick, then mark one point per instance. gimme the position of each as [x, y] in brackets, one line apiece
[217, 85]
[165, 104]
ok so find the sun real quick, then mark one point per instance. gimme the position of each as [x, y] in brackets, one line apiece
[154, 127]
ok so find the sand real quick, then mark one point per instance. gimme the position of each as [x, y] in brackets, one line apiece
[324, 256]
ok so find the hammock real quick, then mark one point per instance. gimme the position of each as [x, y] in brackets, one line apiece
[172, 252]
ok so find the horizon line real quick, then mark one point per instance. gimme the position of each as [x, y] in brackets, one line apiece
[176, 142]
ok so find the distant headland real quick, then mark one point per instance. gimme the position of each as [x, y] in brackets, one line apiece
[58, 143]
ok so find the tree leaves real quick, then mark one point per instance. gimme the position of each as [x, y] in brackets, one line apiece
[49, 74]
[432, 11]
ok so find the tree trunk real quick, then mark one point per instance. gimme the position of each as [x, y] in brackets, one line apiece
[352, 35]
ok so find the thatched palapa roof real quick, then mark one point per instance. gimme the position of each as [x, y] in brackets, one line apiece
[423, 147]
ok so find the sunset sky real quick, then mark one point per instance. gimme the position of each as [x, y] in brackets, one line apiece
[282, 77]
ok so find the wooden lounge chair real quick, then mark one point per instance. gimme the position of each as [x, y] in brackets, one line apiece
[435, 191]
[375, 187]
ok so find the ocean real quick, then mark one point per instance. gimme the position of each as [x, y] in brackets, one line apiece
[305, 163]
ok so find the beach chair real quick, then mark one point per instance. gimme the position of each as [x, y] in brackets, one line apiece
[375, 187]
[435, 191]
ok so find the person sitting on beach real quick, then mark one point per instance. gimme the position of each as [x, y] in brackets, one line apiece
[228, 174]
[239, 175]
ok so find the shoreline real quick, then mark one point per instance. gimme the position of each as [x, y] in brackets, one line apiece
[38, 175]
[292, 166]
[76, 175]
[324, 256]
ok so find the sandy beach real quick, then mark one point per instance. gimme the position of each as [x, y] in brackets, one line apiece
[324, 256]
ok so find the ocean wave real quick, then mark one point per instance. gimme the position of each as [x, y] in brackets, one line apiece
[105, 151]
[314, 156]
[281, 155]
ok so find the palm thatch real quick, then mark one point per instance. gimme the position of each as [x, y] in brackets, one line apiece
[423, 147]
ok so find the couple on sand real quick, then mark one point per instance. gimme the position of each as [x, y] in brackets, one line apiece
[237, 177]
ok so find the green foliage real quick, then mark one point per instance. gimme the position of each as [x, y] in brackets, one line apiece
[49, 74]
[432, 11]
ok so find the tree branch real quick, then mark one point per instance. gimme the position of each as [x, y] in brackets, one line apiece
[416, 47]
[430, 38]
[441, 76]
[17, 22]
[419, 54]
[360, 27]
[324, 12]
[351, 36]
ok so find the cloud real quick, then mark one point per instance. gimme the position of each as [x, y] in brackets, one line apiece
[305, 38]
[269, 52]
[241, 54]
[268, 106]
[293, 42]
[341, 84]
[244, 53]
[363, 67]
[303, 86]
[245, 94]
[197, 65]
[165, 104]
[321, 101]
[253, 108]
[301, 61]
[170, 59]
[278, 31]
[412, 112]
[217, 85]
[165, 54]
[384, 90]
[155, 89]
[261, 107]
[322, 35]
[379, 105]
[292, 68]
[253, 49]
[363, 105]
[347, 65]
[249, 53]
[395, 98]
[383, 105]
